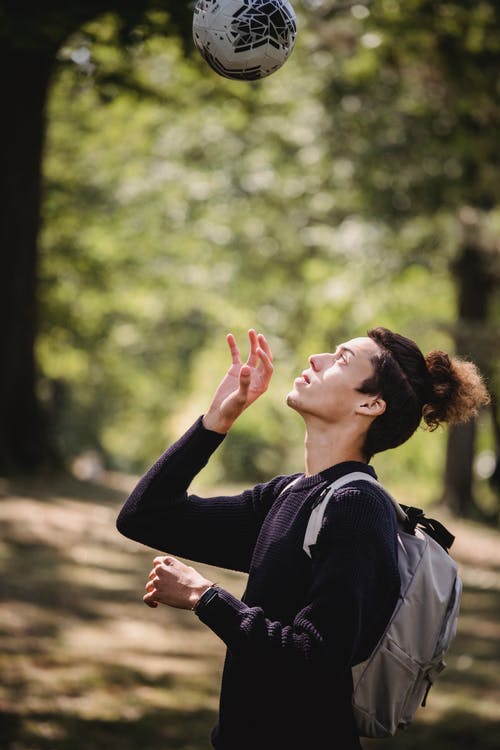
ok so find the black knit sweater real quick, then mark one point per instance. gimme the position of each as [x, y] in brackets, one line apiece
[301, 624]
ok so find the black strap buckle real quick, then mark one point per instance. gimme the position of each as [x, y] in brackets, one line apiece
[435, 529]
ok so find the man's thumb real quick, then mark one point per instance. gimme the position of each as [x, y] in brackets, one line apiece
[245, 374]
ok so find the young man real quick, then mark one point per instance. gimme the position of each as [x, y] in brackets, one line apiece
[302, 622]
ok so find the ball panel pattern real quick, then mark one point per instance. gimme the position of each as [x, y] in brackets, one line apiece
[244, 39]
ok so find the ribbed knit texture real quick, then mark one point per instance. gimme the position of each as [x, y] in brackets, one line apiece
[301, 624]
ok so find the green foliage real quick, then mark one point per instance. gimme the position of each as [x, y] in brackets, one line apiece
[423, 83]
[179, 205]
[35, 27]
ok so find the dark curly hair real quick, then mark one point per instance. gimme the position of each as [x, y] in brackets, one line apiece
[436, 388]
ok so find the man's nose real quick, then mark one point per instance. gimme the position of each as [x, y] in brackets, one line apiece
[318, 361]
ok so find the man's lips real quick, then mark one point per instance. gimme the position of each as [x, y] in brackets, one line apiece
[303, 379]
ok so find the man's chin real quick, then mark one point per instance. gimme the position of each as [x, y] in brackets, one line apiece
[292, 400]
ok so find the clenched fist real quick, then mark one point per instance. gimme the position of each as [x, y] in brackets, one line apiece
[173, 583]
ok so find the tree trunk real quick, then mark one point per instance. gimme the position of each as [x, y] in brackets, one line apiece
[24, 436]
[458, 472]
[475, 283]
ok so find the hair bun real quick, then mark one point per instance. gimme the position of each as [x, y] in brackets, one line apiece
[456, 390]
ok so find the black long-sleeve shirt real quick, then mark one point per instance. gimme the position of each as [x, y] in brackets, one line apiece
[301, 624]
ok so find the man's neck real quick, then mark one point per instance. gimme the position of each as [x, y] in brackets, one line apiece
[326, 446]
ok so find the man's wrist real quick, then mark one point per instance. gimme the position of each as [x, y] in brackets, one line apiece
[206, 597]
[216, 424]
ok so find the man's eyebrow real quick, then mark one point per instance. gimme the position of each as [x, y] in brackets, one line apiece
[346, 349]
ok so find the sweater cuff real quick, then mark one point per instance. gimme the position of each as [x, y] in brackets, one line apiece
[209, 437]
[224, 614]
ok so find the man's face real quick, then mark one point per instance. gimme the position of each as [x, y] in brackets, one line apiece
[328, 388]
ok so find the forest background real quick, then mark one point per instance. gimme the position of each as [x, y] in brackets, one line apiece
[148, 206]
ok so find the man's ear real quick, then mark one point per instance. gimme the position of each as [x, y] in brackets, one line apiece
[373, 406]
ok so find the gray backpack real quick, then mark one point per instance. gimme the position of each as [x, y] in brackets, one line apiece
[395, 680]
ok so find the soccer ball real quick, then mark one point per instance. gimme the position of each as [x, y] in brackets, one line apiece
[244, 39]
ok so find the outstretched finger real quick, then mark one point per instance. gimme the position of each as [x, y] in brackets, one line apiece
[233, 348]
[266, 370]
[263, 343]
[253, 356]
[266, 362]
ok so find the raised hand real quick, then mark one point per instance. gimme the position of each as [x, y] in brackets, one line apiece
[243, 383]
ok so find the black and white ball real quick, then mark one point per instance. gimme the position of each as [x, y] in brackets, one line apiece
[244, 39]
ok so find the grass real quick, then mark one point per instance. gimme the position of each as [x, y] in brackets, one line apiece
[85, 665]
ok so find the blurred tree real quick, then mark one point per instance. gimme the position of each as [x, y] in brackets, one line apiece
[178, 204]
[156, 242]
[477, 279]
[205, 204]
[216, 204]
[422, 82]
[30, 35]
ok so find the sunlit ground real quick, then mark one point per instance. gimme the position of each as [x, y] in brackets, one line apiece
[85, 665]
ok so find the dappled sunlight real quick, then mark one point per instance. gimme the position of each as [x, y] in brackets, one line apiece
[77, 644]
[480, 628]
[94, 576]
[80, 654]
[148, 207]
[118, 640]
[475, 545]
[61, 523]
[113, 558]
[481, 578]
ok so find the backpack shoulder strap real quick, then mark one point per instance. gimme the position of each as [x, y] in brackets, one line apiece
[318, 511]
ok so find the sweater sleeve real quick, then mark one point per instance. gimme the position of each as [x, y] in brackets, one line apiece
[161, 514]
[353, 592]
